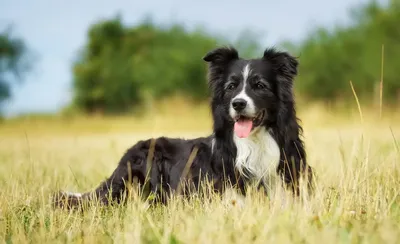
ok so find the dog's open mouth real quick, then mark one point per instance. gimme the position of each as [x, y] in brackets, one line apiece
[244, 125]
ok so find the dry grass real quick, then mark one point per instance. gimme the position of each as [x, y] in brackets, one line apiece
[356, 201]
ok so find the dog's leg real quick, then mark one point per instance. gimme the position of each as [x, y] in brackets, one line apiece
[112, 189]
[133, 165]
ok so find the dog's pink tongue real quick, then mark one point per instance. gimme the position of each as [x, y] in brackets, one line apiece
[242, 128]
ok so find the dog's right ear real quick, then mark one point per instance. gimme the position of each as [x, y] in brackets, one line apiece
[221, 55]
[218, 60]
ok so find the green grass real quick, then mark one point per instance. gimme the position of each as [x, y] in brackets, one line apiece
[356, 199]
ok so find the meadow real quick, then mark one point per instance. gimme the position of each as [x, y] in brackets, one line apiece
[356, 200]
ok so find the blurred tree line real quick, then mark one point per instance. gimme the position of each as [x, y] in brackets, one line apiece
[330, 59]
[121, 67]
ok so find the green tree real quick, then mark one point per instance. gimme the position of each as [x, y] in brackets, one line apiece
[122, 66]
[14, 62]
[329, 59]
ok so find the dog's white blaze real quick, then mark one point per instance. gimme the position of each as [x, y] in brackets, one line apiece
[246, 72]
[258, 154]
[250, 108]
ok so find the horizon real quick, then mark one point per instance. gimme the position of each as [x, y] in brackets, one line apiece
[55, 37]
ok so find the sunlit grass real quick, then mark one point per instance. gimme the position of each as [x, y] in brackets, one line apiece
[356, 199]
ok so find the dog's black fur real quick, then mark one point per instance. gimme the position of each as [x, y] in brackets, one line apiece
[168, 160]
[215, 158]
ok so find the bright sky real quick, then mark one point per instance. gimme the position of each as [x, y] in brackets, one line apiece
[55, 30]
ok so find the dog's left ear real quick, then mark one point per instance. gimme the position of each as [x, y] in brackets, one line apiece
[284, 63]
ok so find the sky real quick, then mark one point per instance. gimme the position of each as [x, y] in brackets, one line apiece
[55, 30]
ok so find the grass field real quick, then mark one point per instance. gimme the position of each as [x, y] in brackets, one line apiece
[356, 200]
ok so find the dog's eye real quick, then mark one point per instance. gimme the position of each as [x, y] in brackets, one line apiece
[260, 85]
[231, 86]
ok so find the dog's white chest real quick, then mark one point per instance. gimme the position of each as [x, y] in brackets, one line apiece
[257, 154]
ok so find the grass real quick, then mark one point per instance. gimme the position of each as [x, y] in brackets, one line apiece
[356, 200]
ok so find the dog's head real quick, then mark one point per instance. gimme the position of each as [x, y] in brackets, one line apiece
[250, 93]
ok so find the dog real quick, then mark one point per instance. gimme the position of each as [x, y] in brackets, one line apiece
[256, 137]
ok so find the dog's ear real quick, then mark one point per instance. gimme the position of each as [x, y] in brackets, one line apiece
[284, 63]
[221, 55]
[218, 59]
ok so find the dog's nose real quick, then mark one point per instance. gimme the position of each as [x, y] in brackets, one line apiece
[239, 104]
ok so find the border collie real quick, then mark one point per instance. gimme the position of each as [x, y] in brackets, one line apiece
[256, 137]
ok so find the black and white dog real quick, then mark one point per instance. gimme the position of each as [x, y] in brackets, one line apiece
[256, 136]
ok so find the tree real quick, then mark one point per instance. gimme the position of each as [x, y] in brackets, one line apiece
[120, 67]
[329, 59]
[14, 62]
